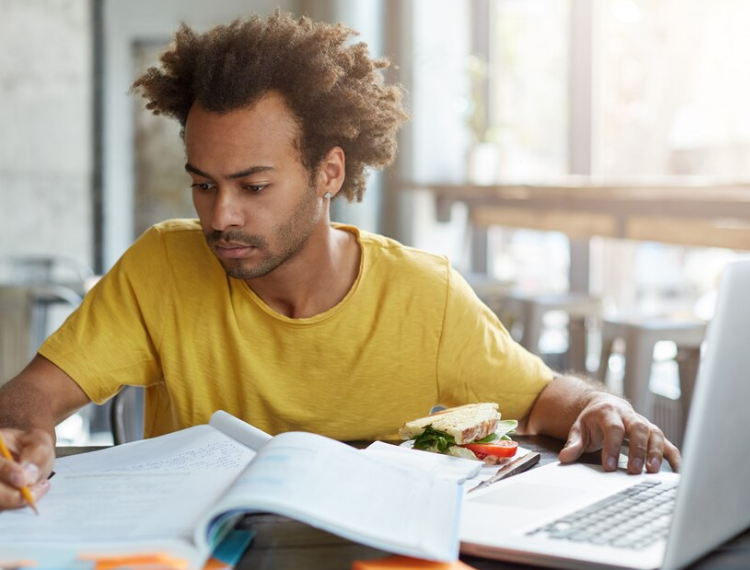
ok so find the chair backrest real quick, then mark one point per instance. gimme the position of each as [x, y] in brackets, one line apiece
[24, 322]
[15, 330]
[42, 269]
[32, 284]
[126, 415]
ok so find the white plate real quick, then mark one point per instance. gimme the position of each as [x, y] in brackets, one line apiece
[520, 452]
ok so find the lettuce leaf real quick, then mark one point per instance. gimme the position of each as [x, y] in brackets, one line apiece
[503, 431]
[431, 439]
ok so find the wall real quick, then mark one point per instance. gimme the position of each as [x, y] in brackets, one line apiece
[46, 112]
[45, 128]
[128, 23]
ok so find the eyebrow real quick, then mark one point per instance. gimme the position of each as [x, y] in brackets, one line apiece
[247, 172]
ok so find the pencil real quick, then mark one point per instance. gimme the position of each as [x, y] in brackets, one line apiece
[25, 489]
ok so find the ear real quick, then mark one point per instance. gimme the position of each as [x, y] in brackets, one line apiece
[332, 172]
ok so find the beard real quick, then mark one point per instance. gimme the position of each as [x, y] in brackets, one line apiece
[289, 239]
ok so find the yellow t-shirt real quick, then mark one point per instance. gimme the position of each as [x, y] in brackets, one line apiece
[409, 334]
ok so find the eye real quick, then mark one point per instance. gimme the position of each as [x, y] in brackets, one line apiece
[202, 186]
[254, 188]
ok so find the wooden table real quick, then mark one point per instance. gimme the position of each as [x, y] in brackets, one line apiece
[674, 210]
[284, 544]
[677, 211]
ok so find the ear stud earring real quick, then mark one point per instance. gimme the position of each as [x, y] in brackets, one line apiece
[327, 196]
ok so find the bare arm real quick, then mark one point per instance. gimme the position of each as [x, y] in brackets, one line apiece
[30, 406]
[590, 419]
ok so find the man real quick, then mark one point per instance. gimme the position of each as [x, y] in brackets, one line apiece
[264, 308]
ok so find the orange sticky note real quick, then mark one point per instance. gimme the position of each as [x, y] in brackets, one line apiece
[151, 561]
[407, 563]
[10, 563]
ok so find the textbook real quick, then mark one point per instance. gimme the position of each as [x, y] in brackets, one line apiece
[178, 495]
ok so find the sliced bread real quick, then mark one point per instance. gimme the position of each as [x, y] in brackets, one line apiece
[465, 423]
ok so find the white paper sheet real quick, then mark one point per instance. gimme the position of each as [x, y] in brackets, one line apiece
[200, 448]
[456, 469]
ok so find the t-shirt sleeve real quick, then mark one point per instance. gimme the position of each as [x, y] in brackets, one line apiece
[478, 361]
[112, 339]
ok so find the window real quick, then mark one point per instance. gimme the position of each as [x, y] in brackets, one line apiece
[668, 86]
[528, 85]
[674, 86]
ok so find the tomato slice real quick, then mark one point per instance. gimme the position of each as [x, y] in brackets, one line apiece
[502, 448]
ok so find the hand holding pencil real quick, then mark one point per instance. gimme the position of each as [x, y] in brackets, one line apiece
[24, 476]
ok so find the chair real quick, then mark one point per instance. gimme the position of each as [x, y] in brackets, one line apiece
[23, 322]
[126, 415]
[43, 298]
[15, 330]
[24, 311]
[640, 336]
[56, 279]
[43, 269]
[528, 312]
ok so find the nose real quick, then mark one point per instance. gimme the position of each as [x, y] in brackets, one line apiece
[226, 211]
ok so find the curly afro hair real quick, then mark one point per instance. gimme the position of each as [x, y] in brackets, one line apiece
[335, 90]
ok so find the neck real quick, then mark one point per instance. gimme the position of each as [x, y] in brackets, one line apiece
[316, 279]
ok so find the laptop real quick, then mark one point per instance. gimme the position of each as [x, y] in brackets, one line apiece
[578, 516]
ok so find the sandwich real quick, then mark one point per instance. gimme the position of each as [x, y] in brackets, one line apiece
[472, 431]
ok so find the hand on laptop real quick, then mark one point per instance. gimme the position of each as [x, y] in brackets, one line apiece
[607, 422]
[34, 454]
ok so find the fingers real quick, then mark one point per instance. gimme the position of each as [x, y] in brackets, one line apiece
[575, 445]
[662, 449]
[649, 447]
[36, 448]
[613, 432]
[33, 453]
[12, 478]
[40, 489]
[655, 454]
[11, 474]
[642, 448]
[11, 498]
[603, 421]
[607, 423]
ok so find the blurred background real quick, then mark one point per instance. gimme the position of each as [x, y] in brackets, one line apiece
[599, 147]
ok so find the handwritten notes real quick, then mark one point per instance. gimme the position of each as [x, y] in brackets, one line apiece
[200, 448]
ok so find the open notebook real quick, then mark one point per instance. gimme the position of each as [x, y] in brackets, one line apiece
[178, 495]
[577, 516]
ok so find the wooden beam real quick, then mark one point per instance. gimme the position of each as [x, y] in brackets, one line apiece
[705, 233]
[574, 224]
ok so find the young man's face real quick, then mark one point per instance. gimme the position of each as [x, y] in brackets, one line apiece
[255, 200]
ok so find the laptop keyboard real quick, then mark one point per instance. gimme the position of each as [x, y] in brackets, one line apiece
[633, 518]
